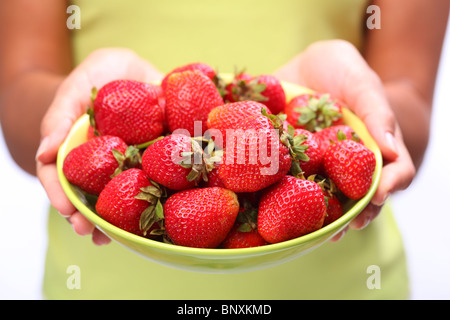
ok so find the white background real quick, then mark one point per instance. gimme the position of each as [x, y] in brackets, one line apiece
[422, 212]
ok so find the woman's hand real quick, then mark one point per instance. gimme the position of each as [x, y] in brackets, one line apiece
[69, 103]
[336, 67]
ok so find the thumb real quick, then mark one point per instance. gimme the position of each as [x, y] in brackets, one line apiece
[68, 105]
[366, 98]
[369, 102]
[50, 143]
[347, 76]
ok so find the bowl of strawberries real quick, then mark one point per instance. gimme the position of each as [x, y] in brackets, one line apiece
[218, 173]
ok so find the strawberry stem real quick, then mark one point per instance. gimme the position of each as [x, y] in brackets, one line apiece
[200, 160]
[154, 212]
[319, 113]
[148, 143]
[130, 159]
[293, 143]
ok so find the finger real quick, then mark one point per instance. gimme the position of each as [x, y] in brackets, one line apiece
[81, 225]
[360, 222]
[48, 148]
[68, 105]
[348, 77]
[131, 65]
[99, 238]
[49, 179]
[380, 122]
[365, 96]
[340, 235]
[395, 176]
[369, 213]
[290, 72]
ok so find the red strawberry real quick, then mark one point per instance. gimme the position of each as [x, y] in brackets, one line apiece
[91, 133]
[162, 103]
[190, 96]
[254, 157]
[313, 152]
[91, 164]
[128, 109]
[161, 162]
[214, 178]
[274, 93]
[177, 162]
[335, 210]
[335, 207]
[229, 115]
[329, 135]
[291, 208]
[351, 166]
[131, 202]
[244, 233]
[200, 217]
[200, 66]
[235, 90]
[265, 88]
[240, 237]
[313, 112]
[258, 150]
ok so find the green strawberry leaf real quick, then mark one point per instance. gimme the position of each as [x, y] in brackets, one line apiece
[159, 210]
[130, 159]
[94, 92]
[147, 219]
[200, 161]
[318, 113]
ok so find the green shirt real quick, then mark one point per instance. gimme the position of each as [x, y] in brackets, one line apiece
[260, 35]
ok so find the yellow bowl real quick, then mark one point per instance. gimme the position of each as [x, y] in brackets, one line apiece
[220, 260]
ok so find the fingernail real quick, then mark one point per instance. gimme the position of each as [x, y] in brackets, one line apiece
[42, 148]
[339, 236]
[67, 216]
[380, 202]
[366, 222]
[392, 142]
[386, 197]
[100, 239]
